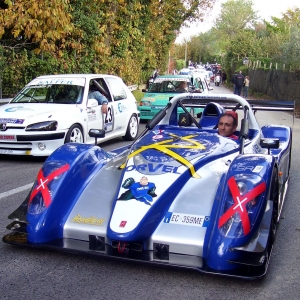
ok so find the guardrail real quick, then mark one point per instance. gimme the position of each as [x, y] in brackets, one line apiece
[5, 100]
[133, 87]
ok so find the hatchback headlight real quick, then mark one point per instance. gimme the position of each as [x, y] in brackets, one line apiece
[42, 126]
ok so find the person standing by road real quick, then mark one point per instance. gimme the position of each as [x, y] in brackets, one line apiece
[233, 79]
[246, 86]
[224, 77]
[239, 81]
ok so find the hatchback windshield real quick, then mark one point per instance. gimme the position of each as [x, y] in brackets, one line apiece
[169, 86]
[52, 93]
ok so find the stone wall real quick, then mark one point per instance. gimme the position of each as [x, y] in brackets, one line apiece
[279, 85]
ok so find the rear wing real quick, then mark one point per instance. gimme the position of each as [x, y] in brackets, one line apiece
[227, 103]
[272, 105]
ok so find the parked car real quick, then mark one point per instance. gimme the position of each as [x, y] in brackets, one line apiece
[53, 110]
[163, 89]
[182, 195]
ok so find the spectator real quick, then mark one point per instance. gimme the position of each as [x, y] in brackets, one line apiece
[227, 124]
[239, 81]
[246, 86]
[233, 79]
[102, 100]
[224, 77]
[155, 73]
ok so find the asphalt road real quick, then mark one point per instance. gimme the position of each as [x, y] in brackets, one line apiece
[37, 274]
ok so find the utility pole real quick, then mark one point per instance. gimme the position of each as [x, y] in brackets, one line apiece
[185, 56]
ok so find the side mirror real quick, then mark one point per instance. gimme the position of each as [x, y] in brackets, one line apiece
[269, 143]
[97, 133]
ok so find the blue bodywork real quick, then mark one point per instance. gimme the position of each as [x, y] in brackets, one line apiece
[241, 208]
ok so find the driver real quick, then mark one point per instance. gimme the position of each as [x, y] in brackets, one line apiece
[227, 124]
[102, 100]
[182, 87]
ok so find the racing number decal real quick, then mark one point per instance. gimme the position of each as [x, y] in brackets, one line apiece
[108, 116]
[108, 122]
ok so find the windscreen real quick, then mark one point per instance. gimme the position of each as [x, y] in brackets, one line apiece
[50, 93]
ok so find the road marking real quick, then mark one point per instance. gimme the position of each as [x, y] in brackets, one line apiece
[15, 191]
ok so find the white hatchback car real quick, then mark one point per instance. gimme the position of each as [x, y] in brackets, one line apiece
[53, 110]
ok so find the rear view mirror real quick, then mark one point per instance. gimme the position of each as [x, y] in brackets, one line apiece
[97, 133]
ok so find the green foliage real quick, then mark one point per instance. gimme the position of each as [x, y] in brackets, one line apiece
[128, 38]
[180, 64]
[138, 95]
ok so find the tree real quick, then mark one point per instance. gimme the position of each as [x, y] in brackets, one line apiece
[236, 15]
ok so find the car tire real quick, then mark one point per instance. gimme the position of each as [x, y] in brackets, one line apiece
[132, 128]
[74, 135]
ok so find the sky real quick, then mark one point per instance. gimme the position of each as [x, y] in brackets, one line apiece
[265, 8]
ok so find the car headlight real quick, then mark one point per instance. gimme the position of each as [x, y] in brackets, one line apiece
[42, 126]
[46, 186]
[242, 205]
[145, 103]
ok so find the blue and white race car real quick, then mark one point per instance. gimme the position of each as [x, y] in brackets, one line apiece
[180, 195]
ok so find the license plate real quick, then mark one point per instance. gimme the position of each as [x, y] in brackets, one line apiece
[7, 137]
[6, 151]
[186, 219]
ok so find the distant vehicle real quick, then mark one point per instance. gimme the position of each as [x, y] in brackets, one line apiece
[185, 71]
[53, 110]
[163, 89]
[217, 79]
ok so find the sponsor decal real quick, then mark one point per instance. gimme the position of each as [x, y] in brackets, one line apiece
[12, 121]
[242, 168]
[123, 224]
[240, 202]
[42, 184]
[256, 149]
[89, 221]
[158, 79]
[55, 81]
[119, 107]
[14, 109]
[157, 137]
[257, 169]
[153, 168]
[186, 219]
[8, 137]
[166, 146]
[142, 191]
[158, 134]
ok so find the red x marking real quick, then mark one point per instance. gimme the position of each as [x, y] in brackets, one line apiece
[42, 184]
[240, 203]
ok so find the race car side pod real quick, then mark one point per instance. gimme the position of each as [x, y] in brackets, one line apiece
[244, 129]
